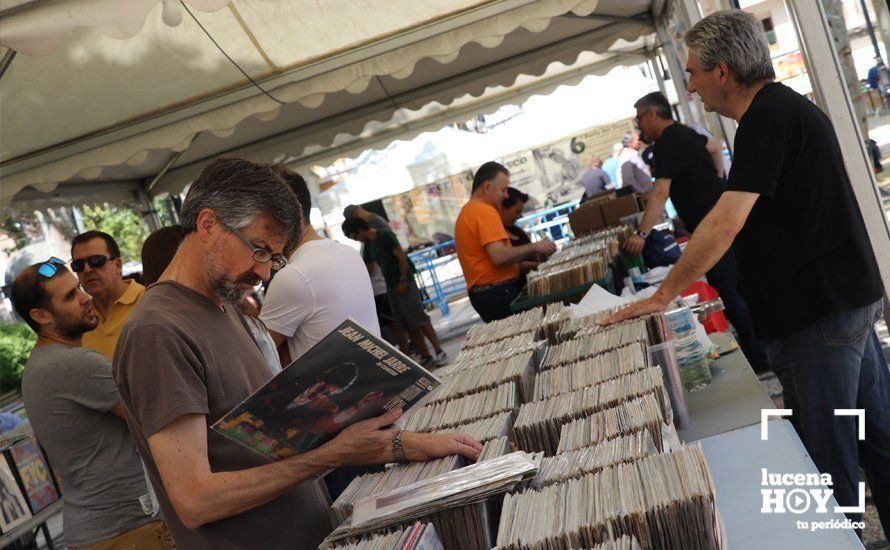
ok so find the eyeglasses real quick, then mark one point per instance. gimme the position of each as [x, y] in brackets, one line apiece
[260, 255]
[95, 261]
[50, 267]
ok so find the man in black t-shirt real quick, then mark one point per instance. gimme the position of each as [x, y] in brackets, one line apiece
[808, 271]
[685, 172]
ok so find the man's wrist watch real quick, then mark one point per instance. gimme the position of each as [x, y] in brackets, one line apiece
[643, 234]
[398, 451]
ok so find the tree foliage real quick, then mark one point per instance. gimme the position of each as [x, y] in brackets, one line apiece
[121, 222]
[16, 341]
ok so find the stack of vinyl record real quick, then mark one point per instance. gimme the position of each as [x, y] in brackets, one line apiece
[592, 413]
[580, 261]
[569, 274]
[497, 349]
[446, 414]
[621, 543]
[419, 536]
[591, 459]
[557, 315]
[576, 327]
[466, 379]
[591, 371]
[493, 427]
[396, 475]
[618, 233]
[662, 500]
[602, 340]
[521, 323]
[457, 503]
[643, 413]
[539, 423]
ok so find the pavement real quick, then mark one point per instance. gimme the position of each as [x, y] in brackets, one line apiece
[459, 319]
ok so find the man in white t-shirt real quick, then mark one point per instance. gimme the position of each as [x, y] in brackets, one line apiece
[632, 170]
[323, 284]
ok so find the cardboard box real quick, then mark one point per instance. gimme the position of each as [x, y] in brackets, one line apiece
[587, 218]
[616, 209]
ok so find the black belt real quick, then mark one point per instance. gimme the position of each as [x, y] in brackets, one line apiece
[483, 288]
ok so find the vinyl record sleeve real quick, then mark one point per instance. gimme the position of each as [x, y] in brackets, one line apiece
[348, 376]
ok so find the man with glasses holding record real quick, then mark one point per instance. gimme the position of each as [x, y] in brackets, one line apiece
[96, 259]
[185, 358]
[75, 410]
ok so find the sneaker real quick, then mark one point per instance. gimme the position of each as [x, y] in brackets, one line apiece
[427, 361]
[441, 358]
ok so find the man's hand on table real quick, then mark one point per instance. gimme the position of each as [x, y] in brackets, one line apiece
[637, 309]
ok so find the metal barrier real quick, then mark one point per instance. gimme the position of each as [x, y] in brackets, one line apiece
[439, 274]
[552, 223]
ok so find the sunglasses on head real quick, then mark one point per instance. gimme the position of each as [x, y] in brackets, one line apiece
[50, 267]
[95, 261]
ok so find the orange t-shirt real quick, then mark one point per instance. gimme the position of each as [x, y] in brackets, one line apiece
[477, 225]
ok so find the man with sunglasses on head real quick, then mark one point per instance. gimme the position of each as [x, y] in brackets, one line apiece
[185, 358]
[96, 259]
[74, 407]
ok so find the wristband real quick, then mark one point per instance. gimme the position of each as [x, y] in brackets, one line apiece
[398, 451]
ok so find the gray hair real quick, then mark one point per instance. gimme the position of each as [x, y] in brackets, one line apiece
[657, 101]
[736, 38]
[238, 190]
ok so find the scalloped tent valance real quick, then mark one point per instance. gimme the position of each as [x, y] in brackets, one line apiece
[112, 100]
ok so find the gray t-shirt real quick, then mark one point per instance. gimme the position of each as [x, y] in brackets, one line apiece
[68, 394]
[179, 353]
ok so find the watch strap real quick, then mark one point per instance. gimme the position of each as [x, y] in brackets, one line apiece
[398, 451]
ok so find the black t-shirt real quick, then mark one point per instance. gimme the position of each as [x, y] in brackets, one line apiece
[518, 237]
[681, 155]
[803, 252]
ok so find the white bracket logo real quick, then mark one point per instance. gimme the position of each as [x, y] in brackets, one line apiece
[764, 420]
[793, 505]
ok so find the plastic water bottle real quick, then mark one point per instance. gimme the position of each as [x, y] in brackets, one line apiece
[692, 358]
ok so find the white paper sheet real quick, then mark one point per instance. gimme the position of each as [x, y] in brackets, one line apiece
[596, 300]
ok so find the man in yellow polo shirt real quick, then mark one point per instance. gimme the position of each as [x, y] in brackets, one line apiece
[96, 259]
[490, 264]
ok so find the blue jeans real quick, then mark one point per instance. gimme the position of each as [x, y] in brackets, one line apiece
[837, 363]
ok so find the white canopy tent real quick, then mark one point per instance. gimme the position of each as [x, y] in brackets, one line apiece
[116, 99]
[108, 107]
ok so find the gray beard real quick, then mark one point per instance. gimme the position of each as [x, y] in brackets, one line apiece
[225, 290]
[224, 287]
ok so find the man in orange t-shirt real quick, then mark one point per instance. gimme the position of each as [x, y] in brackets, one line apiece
[490, 264]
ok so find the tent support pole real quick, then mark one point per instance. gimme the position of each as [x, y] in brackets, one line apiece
[656, 71]
[147, 210]
[831, 94]
[154, 181]
[677, 75]
[6, 61]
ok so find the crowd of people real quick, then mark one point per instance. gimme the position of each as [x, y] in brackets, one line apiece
[126, 378]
